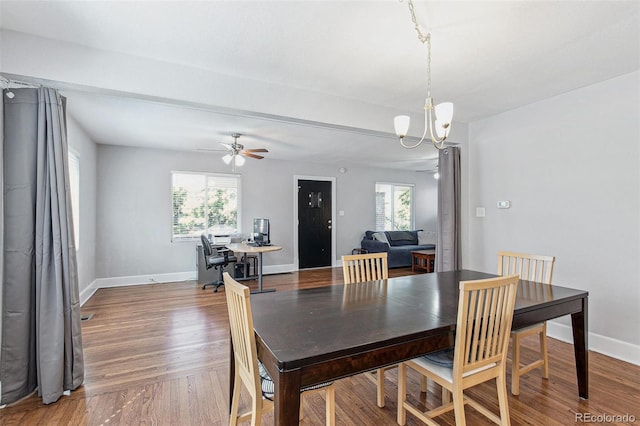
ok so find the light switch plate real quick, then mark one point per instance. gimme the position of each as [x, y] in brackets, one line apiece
[480, 212]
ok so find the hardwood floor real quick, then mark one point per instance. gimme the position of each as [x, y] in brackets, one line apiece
[158, 354]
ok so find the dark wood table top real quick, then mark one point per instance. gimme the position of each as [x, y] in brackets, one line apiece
[316, 325]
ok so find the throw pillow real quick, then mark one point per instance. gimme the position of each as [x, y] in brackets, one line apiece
[380, 236]
[427, 237]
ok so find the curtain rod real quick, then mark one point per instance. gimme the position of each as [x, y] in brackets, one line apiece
[7, 83]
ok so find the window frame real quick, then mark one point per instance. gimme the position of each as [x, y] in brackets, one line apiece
[73, 162]
[394, 185]
[206, 176]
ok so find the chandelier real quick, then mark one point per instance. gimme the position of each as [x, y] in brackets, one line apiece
[437, 117]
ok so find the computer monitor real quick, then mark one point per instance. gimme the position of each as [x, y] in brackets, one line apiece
[261, 232]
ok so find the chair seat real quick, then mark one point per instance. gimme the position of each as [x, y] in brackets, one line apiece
[531, 328]
[268, 388]
[443, 357]
[446, 373]
[219, 260]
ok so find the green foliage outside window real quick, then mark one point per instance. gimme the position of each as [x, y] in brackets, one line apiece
[204, 204]
[394, 207]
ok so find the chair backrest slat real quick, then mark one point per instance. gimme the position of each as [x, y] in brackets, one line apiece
[365, 267]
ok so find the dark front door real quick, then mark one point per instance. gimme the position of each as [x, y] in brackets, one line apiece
[314, 223]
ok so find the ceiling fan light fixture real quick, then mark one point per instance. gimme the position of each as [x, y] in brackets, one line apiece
[227, 158]
[239, 160]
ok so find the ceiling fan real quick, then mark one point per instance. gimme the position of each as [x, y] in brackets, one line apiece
[236, 152]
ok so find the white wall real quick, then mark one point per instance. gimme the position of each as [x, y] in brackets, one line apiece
[569, 165]
[55, 60]
[86, 254]
[134, 200]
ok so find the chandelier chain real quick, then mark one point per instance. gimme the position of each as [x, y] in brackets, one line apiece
[424, 39]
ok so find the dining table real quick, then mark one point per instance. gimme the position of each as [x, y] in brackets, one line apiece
[310, 336]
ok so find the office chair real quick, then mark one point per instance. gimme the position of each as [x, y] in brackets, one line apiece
[216, 258]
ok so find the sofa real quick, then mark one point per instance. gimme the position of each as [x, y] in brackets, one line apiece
[398, 244]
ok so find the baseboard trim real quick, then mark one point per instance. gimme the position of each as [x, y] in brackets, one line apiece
[88, 292]
[145, 279]
[161, 278]
[618, 349]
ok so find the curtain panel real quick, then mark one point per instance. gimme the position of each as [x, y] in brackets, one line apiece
[41, 335]
[448, 251]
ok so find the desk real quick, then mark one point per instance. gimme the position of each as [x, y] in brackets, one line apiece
[314, 335]
[244, 248]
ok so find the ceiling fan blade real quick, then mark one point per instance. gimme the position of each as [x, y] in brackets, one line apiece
[248, 154]
[211, 149]
[256, 150]
[226, 145]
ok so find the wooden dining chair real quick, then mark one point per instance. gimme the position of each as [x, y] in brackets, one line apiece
[485, 313]
[538, 269]
[248, 369]
[359, 268]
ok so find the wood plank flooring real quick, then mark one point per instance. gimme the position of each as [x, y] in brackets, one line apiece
[158, 355]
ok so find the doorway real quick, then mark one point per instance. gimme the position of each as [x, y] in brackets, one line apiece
[315, 228]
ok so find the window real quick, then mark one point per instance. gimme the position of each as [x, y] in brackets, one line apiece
[204, 203]
[74, 184]
[394, 207]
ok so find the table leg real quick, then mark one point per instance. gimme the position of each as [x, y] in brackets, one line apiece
[579, 324]
[287, 398]
[260, 290]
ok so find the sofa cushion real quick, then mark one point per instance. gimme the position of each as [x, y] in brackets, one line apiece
[427, 237]
[380, 236]
[402, 238]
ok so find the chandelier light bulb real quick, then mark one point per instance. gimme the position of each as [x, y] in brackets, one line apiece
[401, 125]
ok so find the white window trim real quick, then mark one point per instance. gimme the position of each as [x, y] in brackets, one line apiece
[206, 175]
[412, 225]
[74, 156]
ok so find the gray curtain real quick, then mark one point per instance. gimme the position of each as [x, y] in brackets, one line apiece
[448, 257]
[41, 335]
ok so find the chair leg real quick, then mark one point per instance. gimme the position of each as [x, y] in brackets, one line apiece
[220, 281]
[235, 400]
[256, 412]
[503, 400]
[330, 409]
[446, 396]
[458, 406]
[402, 394]
[543, 351]
[515, 365]
[380, 387]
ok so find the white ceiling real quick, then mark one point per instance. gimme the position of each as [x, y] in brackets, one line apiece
[488, 57]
